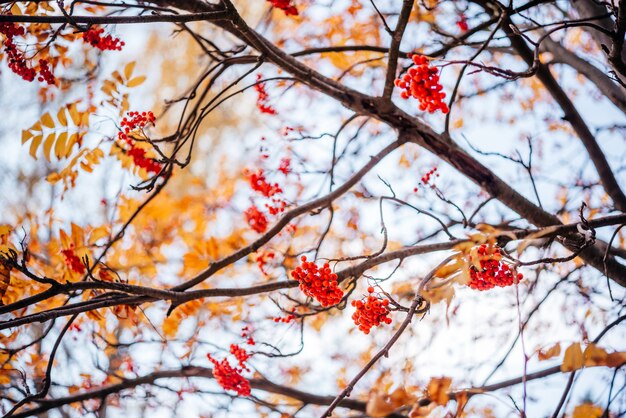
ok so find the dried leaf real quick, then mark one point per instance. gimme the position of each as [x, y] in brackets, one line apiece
[553, 351]
[594, 356]
[438, 388]
[587, 410]
[573, 358]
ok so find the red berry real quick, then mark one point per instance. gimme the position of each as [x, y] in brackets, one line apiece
[422, 82]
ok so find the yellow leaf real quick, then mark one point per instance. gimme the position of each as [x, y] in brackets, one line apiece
[70, 143]
[46, 6]
[97, 234]
[438, 388]
[35, 145]
[170, 326]
[78, 235]
[128, 70]
[136, 81]
[86, 167]
[53, 178]
[66, 241]
[62, 117]
[573, 358]
[26, 135]
[47, 145]
[60, 145]
[587, 410]
[553, 351]
[47, 120]
[74, 114]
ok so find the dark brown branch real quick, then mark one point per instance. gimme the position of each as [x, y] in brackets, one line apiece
[116, 20]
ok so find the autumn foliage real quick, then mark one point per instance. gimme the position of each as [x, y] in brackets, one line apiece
[300, 208]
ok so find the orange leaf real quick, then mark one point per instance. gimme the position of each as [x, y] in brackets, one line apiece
[594, 356]
[438, 390]
[587, 410]
[553, 351]
[573, 359]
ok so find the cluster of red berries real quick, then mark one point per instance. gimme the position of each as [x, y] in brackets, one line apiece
[72, 261]
[16, 59]
[422, 82]
[285, 166]
[141, 160]
[137, 120]
[317, 283]
[256, 219]
[241, 355]
[259, 183]
[45, 74]
[133, 122]
[277, 206]
[263, 258]
[229, 377]
[286, 319]
[370, 312]
[285, 6]
[93, 36]
[263, 97]
[493, 271]
[426, 177]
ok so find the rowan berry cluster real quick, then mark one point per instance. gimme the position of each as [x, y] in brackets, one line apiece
[256, 219]
[370, 312]
[263, 98]
[422, 82]
[317, 283]
[493, 271]
[241, 355]
[229, 377]
[136, 121]
[73, 261]
[286, 319]
[93, 36]
[246, 333]
[285, 6]
[16, 59]
[285, 165]
[45, 74]
[259, 183]
[263, 258]
[426, 177]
